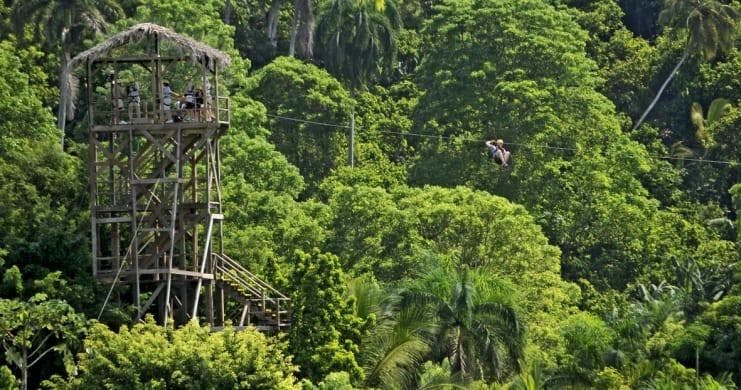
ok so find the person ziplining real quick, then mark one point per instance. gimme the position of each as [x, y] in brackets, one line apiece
[498, 152]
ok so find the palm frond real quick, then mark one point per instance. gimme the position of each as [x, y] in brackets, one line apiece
[367, 295]
[718, 108]
[696, 116]
[393, 350]
[678, 149]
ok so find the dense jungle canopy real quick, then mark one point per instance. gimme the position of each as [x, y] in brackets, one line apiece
[356, 180]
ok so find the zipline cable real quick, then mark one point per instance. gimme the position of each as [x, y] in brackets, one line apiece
[699, 160]
[307, 121]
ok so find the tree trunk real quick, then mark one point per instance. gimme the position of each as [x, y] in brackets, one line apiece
[63, 89]
[661, 90]
[272, 22]
[294, 31]
[24, 370]
[228, 12]
[305, 29]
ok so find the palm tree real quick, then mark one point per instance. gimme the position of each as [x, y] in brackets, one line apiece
[396, 347]
[62, 23]
[718, 108]
[357, 39]
[395, 344]
[482, 336]
[710, 25]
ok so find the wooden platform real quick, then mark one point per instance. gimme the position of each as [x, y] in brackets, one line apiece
[159, 127]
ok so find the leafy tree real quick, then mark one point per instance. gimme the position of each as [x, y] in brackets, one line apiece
[641, 16]
[192, 357]
[61, 23]
[268, 231]
[369, 232]
[7, 380]
[31, 330]
[256, 163]
[290, 88]
[587, 341]
[259, 27]
[710, 25]
[274, 225]
[22, 88]
[207, 27]
[357, 39]
[43, 220]
[575, 170]
[321, 321]
[722, 349]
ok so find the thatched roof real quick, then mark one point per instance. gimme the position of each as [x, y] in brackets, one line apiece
[197, 51]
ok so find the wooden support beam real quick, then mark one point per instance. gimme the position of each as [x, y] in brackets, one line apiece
[149, 301]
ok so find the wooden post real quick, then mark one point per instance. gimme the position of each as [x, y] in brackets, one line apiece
[210, 302]
[179, 174]
[134, 251]
[93, 169]
[215, 97]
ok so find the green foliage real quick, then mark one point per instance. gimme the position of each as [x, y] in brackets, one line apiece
[476, 324]
[357, 40]
[179, 15]
[718, 107]
[290, 88]
[31, 330]
[435, 376]
[722, 351]
[192, 357]
[7, 380]
[538, 90]
[266, 223]
[336, 381]
[42, 222]
[587, 341]
[735, 192]
[652, 243]
[397, 345]
[710, 23]
[12, 284]
[22, 88]
[322, 327]
[207, 27]
[255, 163]
[625, 64]
[369, 232]
[63, 22]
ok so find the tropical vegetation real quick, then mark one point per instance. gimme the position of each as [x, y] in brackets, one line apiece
[356, 180]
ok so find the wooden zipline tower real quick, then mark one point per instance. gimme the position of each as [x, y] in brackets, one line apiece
[155, 189]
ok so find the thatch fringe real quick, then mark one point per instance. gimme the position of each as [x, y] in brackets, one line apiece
[197, 51]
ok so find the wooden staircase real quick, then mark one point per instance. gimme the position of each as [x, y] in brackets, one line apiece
[261, 305]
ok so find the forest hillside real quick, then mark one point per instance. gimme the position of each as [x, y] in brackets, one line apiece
[597, 246]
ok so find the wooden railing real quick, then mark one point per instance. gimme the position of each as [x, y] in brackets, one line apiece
[260, 299]
[151, 112]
